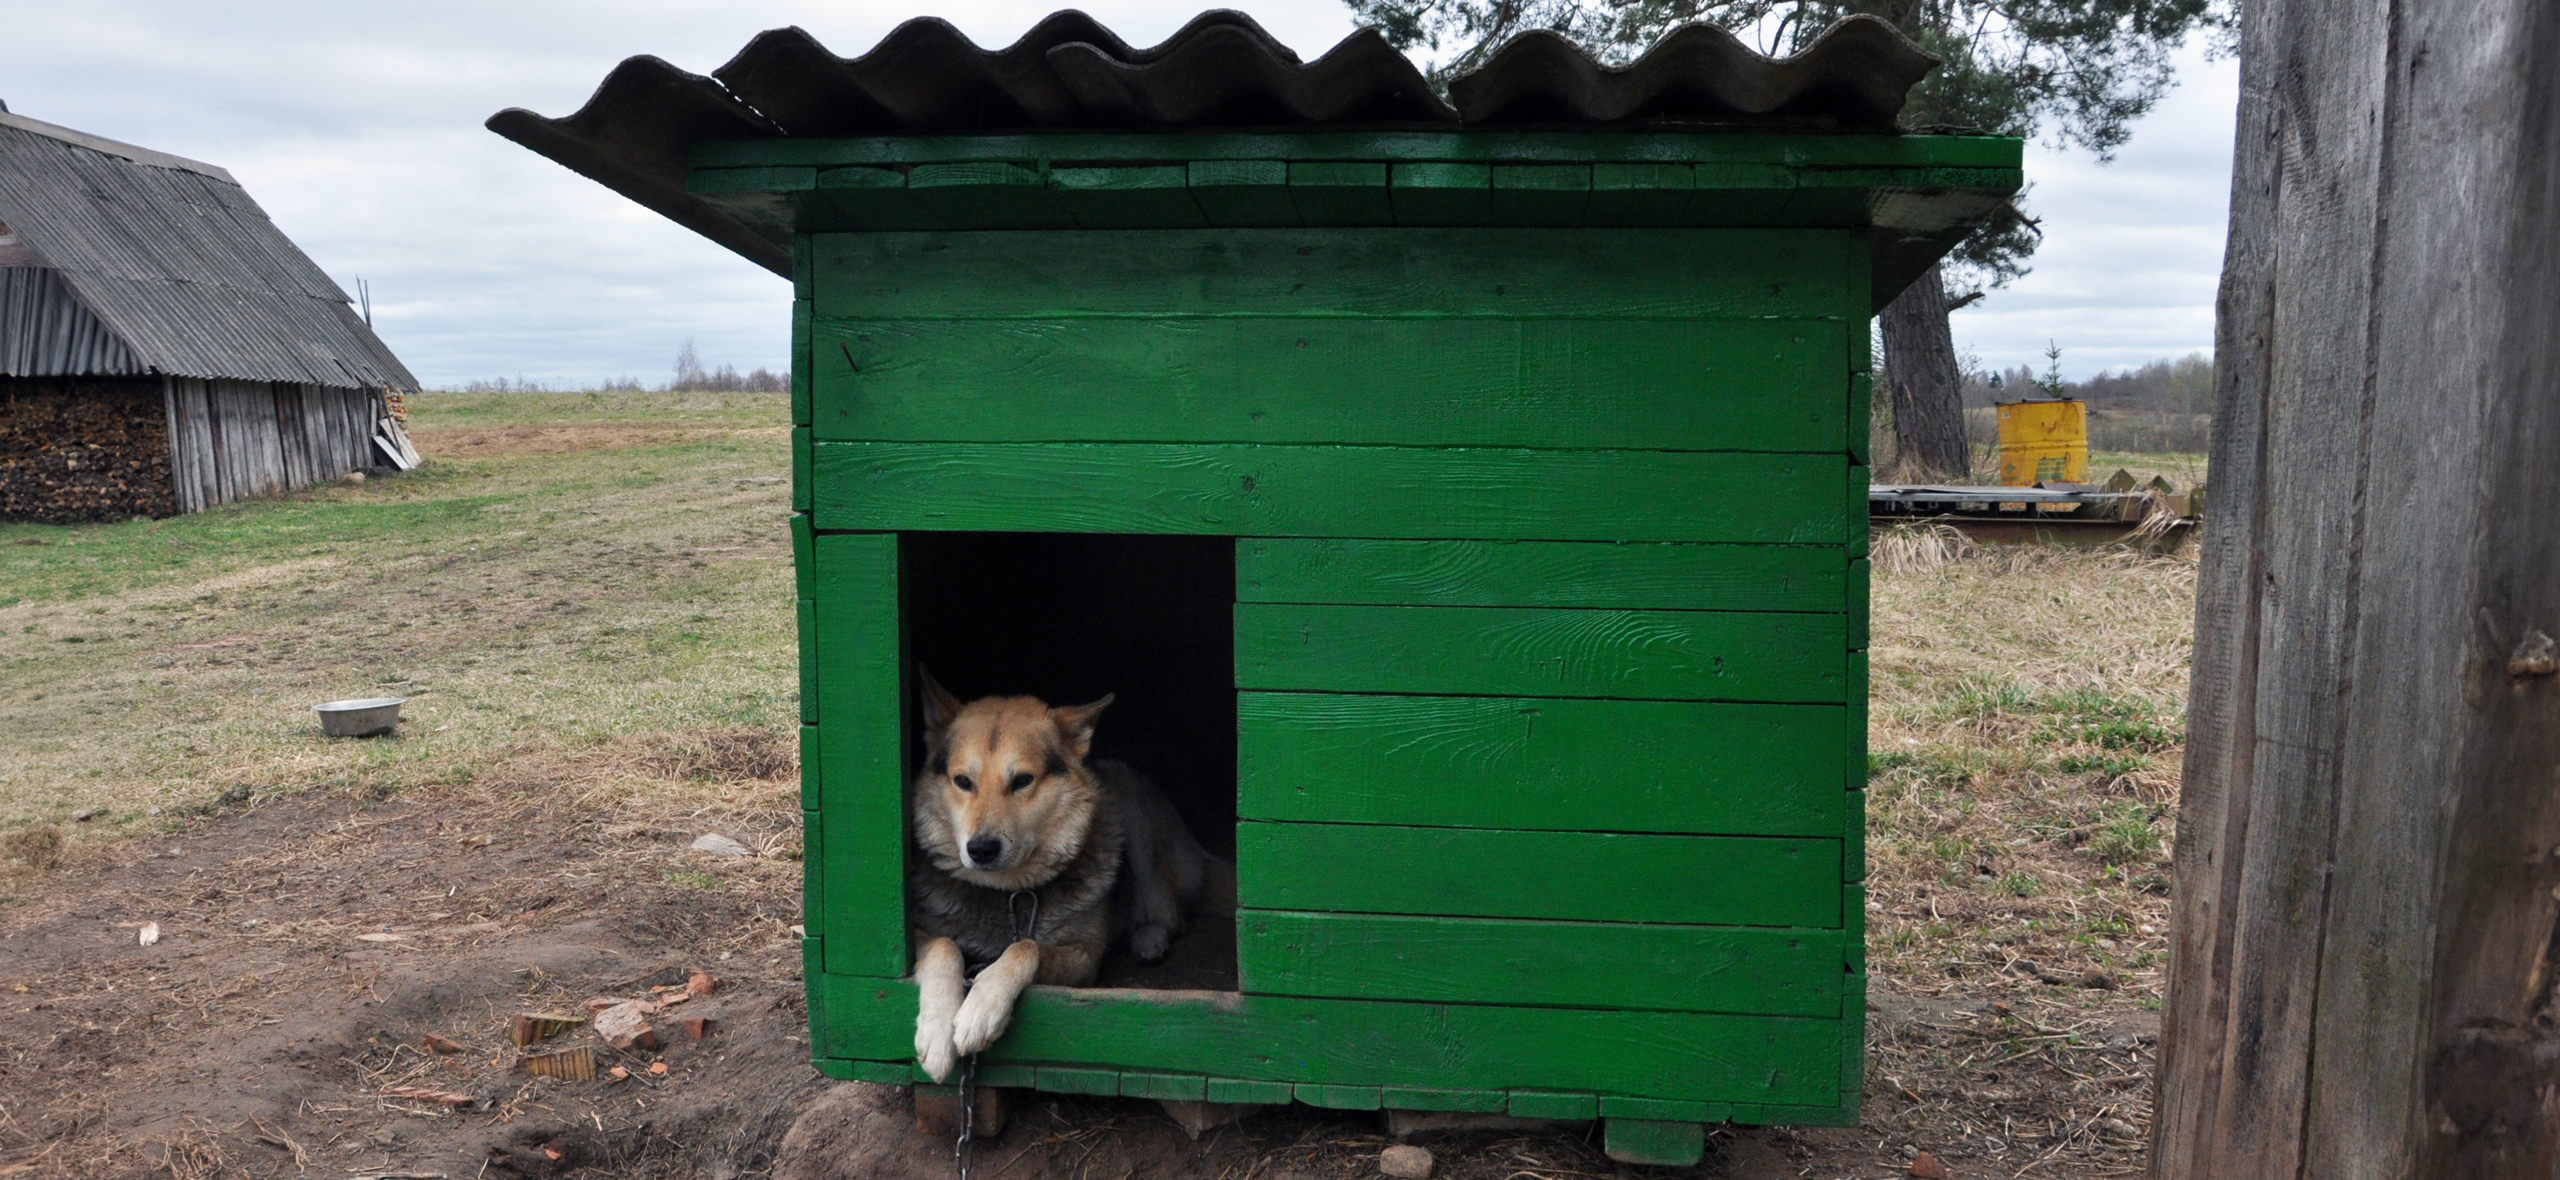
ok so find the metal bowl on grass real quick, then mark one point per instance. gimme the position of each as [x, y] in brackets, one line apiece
[360, 718]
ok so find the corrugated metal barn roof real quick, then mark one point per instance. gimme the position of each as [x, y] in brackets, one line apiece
[1221, 71]
[178, 265]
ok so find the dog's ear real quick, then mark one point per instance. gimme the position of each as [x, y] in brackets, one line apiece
[1075, 724]
[939, 705]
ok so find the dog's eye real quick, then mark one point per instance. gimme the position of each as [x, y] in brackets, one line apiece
[962, 781]
[1021, 782]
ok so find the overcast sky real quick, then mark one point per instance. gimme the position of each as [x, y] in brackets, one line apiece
[358, 128]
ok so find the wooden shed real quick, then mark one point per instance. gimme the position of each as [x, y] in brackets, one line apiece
[1465, 498]
[163, 346]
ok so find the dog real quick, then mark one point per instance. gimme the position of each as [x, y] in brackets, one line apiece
[1031, 863]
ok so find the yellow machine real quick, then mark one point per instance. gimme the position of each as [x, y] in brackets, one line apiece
[2044, 441]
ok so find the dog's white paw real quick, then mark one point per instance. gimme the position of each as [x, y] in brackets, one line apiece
[1149, 943]
[934, 1050]
[979, 1023]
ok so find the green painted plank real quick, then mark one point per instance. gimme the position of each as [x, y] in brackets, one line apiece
[813, 876]
[1753, 970]
[811, 790]
[1337, 1097]
[1862, 408]
[1441, 194]
[863, 179]
[1857, 599]
[1681, 274]
[1853, 511]
[1619, 1106]
[1571, 876]
[1065, 1080]
[1540, 763]
[871, 199]
[1853, 1043]
[808, 633]
[1580, 146]
[862, 826]
[1541, 194]
[989, 194]
[1861, 282]
[1127, 198]
[804, 555]
[1654, 1142]
[1023, 1077]
[1431, 1098]
[1240, 1091]
[1753, 385]
[804, 268]
[1474, 492]
[1639, 194]
[1334, 194]
[1230, 1037]
[1552, 1104]
[1853, 928]
[1539, 651]
[800, 468]
[1173, 1086]
[1243, 192]
[1738, 193]
[887, 1073]
[800, 370]
[782, 179]
[1649, 576]
[1855, 691]
[1853, 831]
[1783, 1115]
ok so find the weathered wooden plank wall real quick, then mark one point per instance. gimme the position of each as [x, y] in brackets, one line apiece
[2370, 840]
[232, 440]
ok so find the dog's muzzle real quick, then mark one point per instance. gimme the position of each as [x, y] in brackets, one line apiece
[982, 852]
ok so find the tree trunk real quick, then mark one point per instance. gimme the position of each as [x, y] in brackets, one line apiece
[1928, 391]
[2362, 977]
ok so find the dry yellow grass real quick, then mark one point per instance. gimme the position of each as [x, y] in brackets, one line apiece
[2025, 735]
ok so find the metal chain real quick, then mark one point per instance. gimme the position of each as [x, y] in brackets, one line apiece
[1020, 928]
[968, 1116]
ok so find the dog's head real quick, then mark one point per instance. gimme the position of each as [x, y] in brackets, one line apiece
[1004, 799]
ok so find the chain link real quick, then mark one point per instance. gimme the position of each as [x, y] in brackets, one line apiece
[1021, 926]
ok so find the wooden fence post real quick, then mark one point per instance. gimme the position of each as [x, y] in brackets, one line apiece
[2362, 980]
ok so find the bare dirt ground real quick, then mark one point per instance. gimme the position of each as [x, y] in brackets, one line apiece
[261, 1034]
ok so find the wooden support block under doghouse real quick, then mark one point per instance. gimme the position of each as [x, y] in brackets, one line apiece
[1642, 1141]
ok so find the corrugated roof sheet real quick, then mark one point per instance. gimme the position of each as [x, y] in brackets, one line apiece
[179, 265]
[1222, 70]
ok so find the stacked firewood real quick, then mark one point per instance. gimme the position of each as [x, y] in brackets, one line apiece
[74, 450]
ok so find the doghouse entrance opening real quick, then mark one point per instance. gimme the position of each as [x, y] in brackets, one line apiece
[1070, 617]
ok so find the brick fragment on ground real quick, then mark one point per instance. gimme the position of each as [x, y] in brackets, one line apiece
[625, 1025]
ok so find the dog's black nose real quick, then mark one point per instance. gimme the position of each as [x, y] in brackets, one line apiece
[983, 850]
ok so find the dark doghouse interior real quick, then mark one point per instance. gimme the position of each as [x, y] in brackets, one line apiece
[1070, 617]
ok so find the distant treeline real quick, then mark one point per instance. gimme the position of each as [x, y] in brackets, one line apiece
[690, 377]
[2164, 406]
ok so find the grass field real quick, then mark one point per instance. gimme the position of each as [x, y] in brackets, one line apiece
[592, 595]
[573, 578]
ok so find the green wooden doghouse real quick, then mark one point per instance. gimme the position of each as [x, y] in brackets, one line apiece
[1466, 499]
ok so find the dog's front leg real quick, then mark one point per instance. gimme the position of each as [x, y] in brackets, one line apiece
[940, 975]
[989, 1009]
